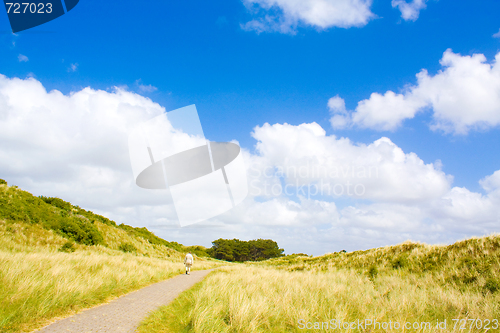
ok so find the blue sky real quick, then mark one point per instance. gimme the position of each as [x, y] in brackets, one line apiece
[284, 70]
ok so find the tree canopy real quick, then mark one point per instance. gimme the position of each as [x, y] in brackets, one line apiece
[237, 250]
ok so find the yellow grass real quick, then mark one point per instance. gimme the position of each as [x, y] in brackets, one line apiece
[38, 283]
[264, 299]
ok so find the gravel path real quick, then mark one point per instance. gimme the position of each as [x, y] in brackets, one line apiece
[126, 312]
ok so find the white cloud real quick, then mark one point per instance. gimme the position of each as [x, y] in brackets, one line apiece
[460, 204]
[73, 67]
[339, 168]
[461, 208]
[382, 112]
[340, 116]
[285, 15]
[497, 35]
[281, 211]
[491, 184]
[145, 88]
[22, 58]
[73, 146]
[463, 96]
[409, 11]
[404, 199]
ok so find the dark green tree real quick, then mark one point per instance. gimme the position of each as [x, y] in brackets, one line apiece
[237, 250]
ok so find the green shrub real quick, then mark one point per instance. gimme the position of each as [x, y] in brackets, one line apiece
[59, 203]
[399, 262]
[150, 237]
[372, 272]
[431, 263]
[200, 251]
[68, 247]
[127, 247]
[3, 182]
[51, 213]
[492, 285]
[80, 231]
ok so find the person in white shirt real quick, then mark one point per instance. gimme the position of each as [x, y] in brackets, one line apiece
[188, 261]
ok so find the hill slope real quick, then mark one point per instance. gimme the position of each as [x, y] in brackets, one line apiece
[473, 262]
[21, 210]
[57, 259]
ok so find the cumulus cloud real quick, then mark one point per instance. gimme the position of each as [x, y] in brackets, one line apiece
[491, 183]
[470, 210]
[463, 96]
[285, 15]
[403, 197]
[497, 35]
[310, 160]
[382, 112]
[22, 58]
[458, 210]
[340, 115]
[409, 11]
[73, 146]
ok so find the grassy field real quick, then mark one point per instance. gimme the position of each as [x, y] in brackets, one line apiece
[408, 284]
[57, 259]
[39, 282]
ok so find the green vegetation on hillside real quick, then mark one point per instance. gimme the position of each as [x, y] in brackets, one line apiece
[57, 259]
[20, 206]
[472, 263]
[85, 227]
[72, 222]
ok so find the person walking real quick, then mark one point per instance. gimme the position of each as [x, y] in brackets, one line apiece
[188, 261]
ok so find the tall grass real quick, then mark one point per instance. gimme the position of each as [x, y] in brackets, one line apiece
[394, 284]
[34, 286]
[469, 264]
[39, 283]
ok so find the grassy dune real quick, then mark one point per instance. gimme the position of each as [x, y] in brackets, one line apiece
[407, 283]
[38, 282]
